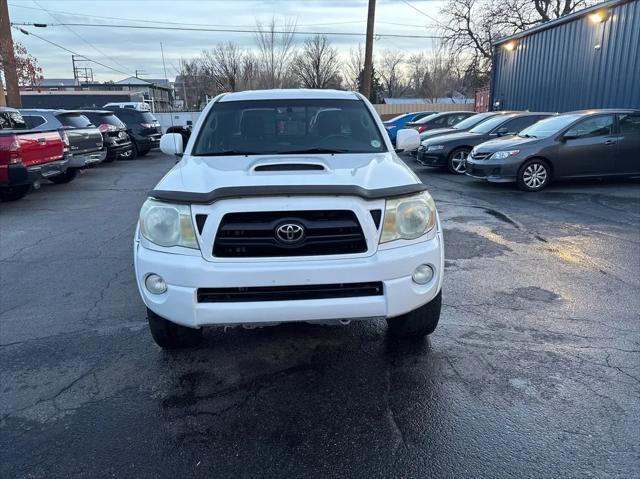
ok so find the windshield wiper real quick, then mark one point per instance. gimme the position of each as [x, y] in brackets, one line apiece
[526, 135]
[227, 153]
[313, 150]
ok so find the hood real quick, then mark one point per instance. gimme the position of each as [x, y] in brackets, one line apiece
[451, 137]
[505, 143]
[199, 174]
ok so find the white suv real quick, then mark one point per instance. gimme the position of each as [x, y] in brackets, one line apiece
[288, 205]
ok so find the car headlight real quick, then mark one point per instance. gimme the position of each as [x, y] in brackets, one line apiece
[408, 218]
[167, 224]
[501, 155]
[435, 147]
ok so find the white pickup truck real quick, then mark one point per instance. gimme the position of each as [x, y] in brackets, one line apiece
[288, 205]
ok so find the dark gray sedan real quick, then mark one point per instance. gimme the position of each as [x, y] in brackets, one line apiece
[590, 143]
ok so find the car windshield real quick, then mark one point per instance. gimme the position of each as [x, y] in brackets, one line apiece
[472, 121]
[490, 124]
[284, 126]
[549, 126]
[106, 119]
[396, 118]
[74, 120]
[426, 118]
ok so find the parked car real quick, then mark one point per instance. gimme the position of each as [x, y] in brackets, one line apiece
[464, 125]
[142, 127]
[397, 123]
[266, 219]
[85, 140]
[451, 150]
[133, 105]
[27, 157]
[593, 143]
[114, 134]
[440, 120]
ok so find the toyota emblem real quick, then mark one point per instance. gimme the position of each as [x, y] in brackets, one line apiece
[290, 233]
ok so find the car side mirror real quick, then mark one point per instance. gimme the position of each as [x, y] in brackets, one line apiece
[407, 140]
[503, 131]
[171, 144]
[566, 137]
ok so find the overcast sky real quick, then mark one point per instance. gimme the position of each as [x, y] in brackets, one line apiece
[129, 49]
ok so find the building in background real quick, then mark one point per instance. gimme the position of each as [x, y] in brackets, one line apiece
[588, 59]
[157, 92]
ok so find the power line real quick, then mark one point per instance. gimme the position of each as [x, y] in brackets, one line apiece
[226, 30]
[80, 37]
[420, 11]
[26, 32]
[165, 22]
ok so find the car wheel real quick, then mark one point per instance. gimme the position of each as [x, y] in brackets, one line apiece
[65, 177]
[109, 159]
[14, 193]
[534, 175]
[170, 335]
[143, 152]
[417, 323]
[134, 151]
[457, 160]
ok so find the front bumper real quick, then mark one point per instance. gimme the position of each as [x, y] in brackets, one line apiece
[84, 160]
[493, 171]
[184, 274]
[431, 158]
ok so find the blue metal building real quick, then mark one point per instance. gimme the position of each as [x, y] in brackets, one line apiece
[588, 59]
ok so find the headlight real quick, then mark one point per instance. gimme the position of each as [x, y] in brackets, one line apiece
[501, 155]
[435, 147]
[408, 218]
[167, 224]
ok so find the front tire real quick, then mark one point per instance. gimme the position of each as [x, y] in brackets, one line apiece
[534, 175]
[417, 323]
[456, 162]
[66, 177]
[143, 152]
[170, 335]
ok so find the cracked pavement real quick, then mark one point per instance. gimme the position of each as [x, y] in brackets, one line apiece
[534, 370]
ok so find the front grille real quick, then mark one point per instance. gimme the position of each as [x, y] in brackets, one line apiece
[289, 293]
[480, 156]
[254, 234]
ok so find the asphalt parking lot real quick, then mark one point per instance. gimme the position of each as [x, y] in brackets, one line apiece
[534, 370]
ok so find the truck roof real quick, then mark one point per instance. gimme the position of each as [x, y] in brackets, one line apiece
[289, 94]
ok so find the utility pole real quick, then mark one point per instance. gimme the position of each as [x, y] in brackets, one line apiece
[8, 58]
[368, 51]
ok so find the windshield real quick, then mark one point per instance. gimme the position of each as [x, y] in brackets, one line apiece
[399, 117]
[549, 126]
[106, 119]
[473, 121]
[426, 118]
[284, 126]
[490, 124]
[74, 120]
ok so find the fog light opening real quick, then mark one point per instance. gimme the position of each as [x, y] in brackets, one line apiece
[423, 274]
[155, 284]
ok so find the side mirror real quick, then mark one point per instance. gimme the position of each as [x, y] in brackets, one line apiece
[407, 140]
[566, 137]
[171, 144]
[503, 131]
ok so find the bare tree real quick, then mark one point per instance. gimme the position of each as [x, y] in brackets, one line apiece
[275, 50]
[317, 65]
[353, 67]
[472, 26]
[391, 73]
[223, 63]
